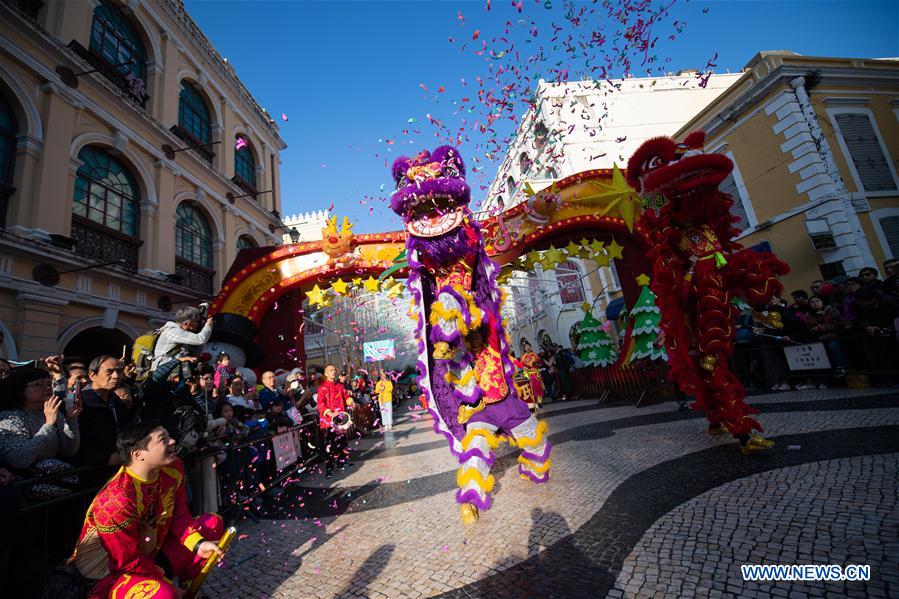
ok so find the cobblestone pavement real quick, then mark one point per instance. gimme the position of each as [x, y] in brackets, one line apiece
[642, 503]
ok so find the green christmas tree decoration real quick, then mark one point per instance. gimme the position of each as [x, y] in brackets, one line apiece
[595, 347]
[646, 316]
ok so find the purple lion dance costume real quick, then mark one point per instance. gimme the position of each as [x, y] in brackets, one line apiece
[463, 353]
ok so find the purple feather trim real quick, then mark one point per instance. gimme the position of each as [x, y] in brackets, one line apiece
[534, 457]
[454, 338]
[477, 453]
[447, 403]
[532, 476]
[473, 497]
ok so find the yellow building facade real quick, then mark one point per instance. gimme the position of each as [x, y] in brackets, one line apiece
[814, 142]
[126, 138]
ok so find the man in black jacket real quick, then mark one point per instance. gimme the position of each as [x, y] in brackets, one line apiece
[103, 414]
[876, 315]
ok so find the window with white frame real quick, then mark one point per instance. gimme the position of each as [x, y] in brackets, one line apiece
[571, 288]
[886, 227]
[741, 207]
[866, 152]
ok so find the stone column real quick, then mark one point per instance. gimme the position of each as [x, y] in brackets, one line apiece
[852, 244]
[161, 253]
[28, 155]
[50, 208]
[72, 20]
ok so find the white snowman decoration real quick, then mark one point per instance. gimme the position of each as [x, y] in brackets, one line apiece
[235, 335]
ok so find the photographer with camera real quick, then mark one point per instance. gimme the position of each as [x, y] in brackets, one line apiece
[178, 336]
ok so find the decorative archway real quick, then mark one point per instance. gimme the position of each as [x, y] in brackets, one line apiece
[266, 285]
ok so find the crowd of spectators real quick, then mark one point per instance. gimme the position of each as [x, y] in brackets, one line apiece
[854, 318]
[60, 418]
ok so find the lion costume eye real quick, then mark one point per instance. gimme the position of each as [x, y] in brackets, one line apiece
[450, 169]
[652, 164]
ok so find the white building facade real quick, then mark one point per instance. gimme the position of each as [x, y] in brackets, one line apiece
[574, 127]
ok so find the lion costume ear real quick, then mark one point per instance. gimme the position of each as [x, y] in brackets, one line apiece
[663, 147]
[451, 154]
[695, 140]
[400, 166]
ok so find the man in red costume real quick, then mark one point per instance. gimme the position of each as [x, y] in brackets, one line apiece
[138, 532]
[332, 400]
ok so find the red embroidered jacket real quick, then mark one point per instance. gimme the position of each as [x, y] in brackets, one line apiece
[132, 518]
[331, 396]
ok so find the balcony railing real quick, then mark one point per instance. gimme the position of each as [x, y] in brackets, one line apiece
[245, 185]
[196, 277]
[131, 86]
[205, 152]
[102, 243]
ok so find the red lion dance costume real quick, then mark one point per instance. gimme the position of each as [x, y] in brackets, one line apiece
[697, 270]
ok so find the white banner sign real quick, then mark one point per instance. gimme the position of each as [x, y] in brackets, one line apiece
[807, 357]
[285, 450]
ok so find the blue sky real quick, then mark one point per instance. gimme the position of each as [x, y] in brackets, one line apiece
[348, 74]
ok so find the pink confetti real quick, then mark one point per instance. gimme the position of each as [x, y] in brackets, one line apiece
[283, 117]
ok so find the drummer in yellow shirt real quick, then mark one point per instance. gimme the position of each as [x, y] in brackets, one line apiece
[384, 390]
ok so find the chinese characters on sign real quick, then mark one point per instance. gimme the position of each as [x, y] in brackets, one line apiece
[807, 357]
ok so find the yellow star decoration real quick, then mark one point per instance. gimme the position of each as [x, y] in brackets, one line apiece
[586, 306]
[643, 280]
[584, 241]
[572, 248]
[597, 245]
[372, 284]
[316, 296]
[619, 195]
[532, 258]
[614, 250]
[357, 281]
[552, 257]
[601, 259]
[395, 291]
[340, 286]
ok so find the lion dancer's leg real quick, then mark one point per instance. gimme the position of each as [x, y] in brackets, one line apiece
[533, 462]
[474, 478]
[724, 404]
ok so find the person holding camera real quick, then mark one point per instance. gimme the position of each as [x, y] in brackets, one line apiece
[176, 337]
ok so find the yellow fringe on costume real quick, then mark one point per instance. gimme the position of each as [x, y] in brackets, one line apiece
[439, 312]
[493, 441]
[477, 315]
[460, 381]
[539, 469]
[525, 442]
[471, 474]
[466, 411]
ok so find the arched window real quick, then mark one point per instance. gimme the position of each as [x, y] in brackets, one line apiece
[194, 122]
[193, 236]
[106, 192]
[245, 241]
[524, 163]
[571, 288]
[244, 164]
[534, 292]
[9, 129]
[551, 173]
[114, 40]
[510, 185]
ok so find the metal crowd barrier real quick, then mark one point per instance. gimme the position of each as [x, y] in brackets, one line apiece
[230, 490]
[643, 382]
